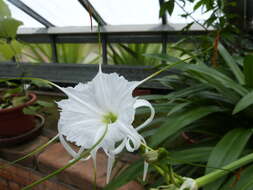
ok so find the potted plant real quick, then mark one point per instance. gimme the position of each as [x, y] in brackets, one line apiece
[13, 120]
[18, 107]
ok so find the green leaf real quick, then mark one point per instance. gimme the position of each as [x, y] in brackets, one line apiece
[245, 102]
[231, 63]
[228, 149]
[199, 154]
[188, 26]
[6, 51]
[163, 57]
[18, 100]
[40, 83]
[9, 50]
[9, 27]
[178, 107]
[243, 183]
[189, 91]
[4, 10]
[130, 173]
[197, 5]
[178, 121]
[31, 110]
[44, 103]
[12, 91]
[216, 78]
[167, 6]
[248, 70]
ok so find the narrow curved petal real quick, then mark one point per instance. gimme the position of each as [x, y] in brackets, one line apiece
[111, 160]
[145, 103]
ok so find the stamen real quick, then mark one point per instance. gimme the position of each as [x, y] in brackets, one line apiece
[109, 118]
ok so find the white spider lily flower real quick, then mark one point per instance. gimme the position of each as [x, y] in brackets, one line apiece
[106, 100]
[189, 184]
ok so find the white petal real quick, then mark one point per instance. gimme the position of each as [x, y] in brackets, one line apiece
[189, 183]
[120, 147]
[145, 103]
[74, 95]
[110, 163]
[145, 171]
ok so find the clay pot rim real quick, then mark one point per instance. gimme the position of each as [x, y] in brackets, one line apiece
[33, 98]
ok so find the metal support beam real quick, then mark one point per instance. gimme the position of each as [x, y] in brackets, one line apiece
[164, 44]
[164, 36]
[91, 10]
[54, 50]
[164, 17]
[19, 4]
[104, 48]
[114, 34]
[74, 73]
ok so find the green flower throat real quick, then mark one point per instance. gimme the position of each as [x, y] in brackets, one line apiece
[109, 118]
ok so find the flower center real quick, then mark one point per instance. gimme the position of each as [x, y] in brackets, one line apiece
[109, 118]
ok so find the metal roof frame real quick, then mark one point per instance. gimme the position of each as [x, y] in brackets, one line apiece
[69, 74]
[92, 11]
[114, 34]
[161, 33]
[22, 6]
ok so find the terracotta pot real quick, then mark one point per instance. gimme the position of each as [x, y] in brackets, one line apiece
[14, 122]
[141, 92]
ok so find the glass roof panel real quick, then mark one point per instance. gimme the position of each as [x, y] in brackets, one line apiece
[123, 12]
[61, 12]
[20, 15]
[180, 9]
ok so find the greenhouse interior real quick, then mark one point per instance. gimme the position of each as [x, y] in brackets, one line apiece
[126, 95]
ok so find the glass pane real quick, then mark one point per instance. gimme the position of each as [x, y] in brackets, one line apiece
[182, 9]
[123, 12]
[78, 53]
[20, 15]
[61, 12]
[36, 53]
[122, 54]
[66, 53]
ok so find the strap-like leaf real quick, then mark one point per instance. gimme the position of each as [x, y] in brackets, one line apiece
[248, 70]
[129, 174]
[216, 78]
[231, 63]
[179, 121]
[245, 102]
[226, 151]
[243, 183]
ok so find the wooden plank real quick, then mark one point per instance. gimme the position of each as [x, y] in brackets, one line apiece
[73, 73]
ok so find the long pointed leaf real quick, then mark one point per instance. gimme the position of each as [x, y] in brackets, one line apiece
[231, 63]
[226, 151]
[178, 121]
[248, 70]
[245, 102]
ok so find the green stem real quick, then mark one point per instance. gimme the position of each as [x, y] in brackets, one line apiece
[169, 67]
[171, 174]
[54, 173]
[95, 177]
[202, 181]
[37, 150]
[83, 155]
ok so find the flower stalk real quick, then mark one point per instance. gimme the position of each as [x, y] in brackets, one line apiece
[211, 177]
[72, 162]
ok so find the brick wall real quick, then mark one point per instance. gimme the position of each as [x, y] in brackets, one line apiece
[80, 176]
